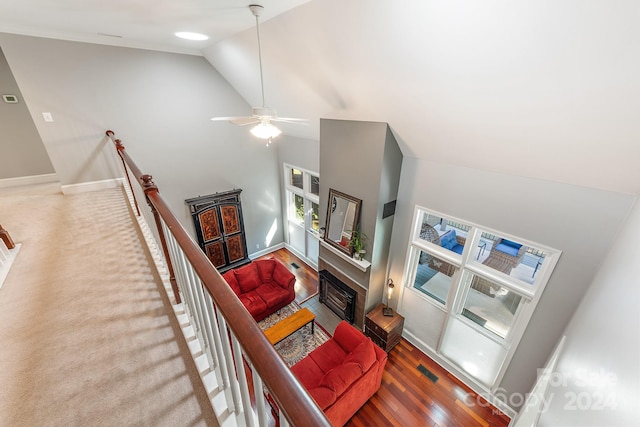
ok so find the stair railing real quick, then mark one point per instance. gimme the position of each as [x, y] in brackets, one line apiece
[227, 334]
[6, 238]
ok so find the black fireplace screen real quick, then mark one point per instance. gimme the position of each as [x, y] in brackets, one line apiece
[336, 295]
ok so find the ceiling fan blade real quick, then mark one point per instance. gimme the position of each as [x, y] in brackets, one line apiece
[242, 121]
[225, 119]
[290, 120]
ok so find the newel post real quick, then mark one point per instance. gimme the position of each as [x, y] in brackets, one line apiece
[6, 238]
[149, 186]
[120, 148]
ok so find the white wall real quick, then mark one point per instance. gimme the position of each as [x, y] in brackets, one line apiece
[597, 381]
[301, 152]
[540, 88]
[159, 104]
[23, 153]
[579, 221]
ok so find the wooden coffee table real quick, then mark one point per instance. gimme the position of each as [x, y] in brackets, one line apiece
[289, 325]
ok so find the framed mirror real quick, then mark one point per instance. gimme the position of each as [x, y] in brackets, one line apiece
[343, 216]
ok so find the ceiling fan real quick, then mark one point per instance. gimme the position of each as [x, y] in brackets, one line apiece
[261, 116]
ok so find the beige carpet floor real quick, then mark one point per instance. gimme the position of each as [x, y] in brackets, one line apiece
[87, 335]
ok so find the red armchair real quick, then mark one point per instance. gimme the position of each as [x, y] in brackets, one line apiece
[263, 286]
[343, 373]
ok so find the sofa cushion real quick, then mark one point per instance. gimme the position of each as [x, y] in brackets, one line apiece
[328, 355]
[323, 396]
[253, 303]
[507, 249]
[448, 240]
[348, 337]
[265, 269]
[230, 277]
[272, 294]
[248, 277]
[308, 372]
[511, 243]
[341, 377]
[364, 355]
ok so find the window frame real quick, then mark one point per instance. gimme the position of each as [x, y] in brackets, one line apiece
[466, 262]
[304, 192]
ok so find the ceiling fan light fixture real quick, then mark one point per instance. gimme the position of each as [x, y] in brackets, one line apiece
[265, 130]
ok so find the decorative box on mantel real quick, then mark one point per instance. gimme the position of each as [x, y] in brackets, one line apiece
[384, 331]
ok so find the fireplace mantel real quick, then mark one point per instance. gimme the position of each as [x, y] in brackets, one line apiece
[361, 265]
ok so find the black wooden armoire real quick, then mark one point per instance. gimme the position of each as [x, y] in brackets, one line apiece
[220, 228]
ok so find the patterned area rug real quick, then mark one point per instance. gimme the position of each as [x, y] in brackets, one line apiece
[296, 346]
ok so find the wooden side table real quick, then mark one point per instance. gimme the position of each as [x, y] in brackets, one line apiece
[384, 331]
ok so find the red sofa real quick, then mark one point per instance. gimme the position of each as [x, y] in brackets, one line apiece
[343, 373]
[264, 286]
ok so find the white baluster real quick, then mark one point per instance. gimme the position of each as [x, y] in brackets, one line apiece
[228, 357]
[244, 384]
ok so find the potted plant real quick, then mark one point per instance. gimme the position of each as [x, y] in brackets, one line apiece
[358, 242]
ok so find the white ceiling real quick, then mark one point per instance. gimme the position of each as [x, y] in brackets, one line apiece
[545, 89]
[136, 23]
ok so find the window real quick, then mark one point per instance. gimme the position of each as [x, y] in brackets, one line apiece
[490, 305]
[302, 192]
[474, 289]
[315, 185]
[315, 219]
[443, 232]
[303, 189]
[296, 178]
[441, 242]
[509, 256]
[433, 276]
[296, 208]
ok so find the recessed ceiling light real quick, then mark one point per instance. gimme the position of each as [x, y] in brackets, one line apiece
[191, 36]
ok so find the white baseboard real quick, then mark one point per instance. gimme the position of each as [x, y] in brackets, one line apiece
[91, 186]
[28, 180]
[310, 263]
[266, 251]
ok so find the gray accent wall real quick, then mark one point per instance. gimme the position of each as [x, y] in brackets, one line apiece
[159, 104]
[22, 151]
[362, 159]
[581, 222]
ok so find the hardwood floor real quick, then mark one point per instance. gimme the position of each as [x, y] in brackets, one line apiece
[407, 397]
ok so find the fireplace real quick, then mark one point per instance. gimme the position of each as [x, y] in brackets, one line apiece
[336, 295]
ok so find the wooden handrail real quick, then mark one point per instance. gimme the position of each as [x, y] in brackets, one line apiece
[293, 400]
[6, 238]
[119, 147]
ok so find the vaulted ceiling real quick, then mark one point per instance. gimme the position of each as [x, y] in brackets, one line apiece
[545, 89]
